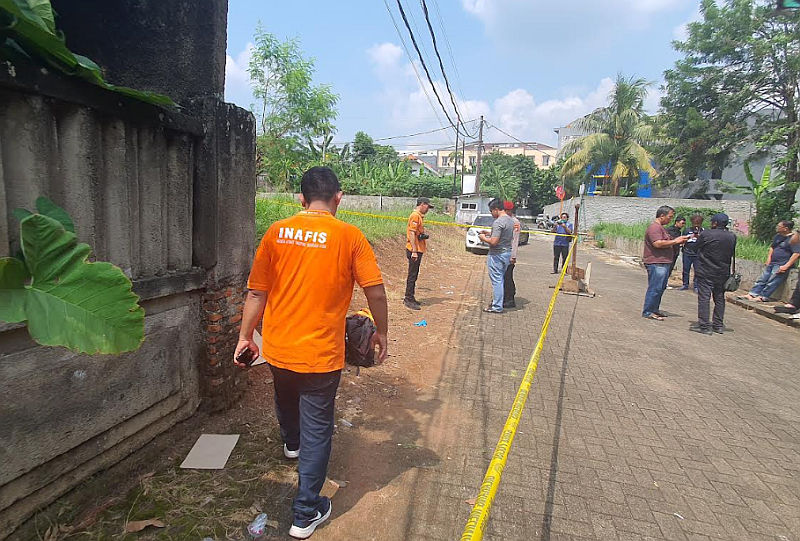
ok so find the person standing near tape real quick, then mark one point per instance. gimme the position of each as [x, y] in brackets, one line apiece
[302, 280]
[499, 241]
[561, 243]
[509, 287]
[416, 243]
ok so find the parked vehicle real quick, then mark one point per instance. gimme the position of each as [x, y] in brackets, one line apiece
[483, 222]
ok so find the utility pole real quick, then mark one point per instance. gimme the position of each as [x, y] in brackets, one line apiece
[463, 156]
[478, 164]
[455, 167]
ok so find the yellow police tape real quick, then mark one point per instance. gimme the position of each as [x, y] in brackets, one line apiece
[428, 222]
[479, 517]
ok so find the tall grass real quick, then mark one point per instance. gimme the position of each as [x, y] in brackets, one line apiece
[747, 247]
[387, 223]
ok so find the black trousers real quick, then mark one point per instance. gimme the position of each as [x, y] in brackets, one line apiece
[413, 273]
[562, 252]
[509, 287]
[795, 300]
[706, 289]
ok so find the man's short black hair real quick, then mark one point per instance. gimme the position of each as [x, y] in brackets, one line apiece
[495, 204]
[319, 184]
[679, 219]
[664, 210]
[788, 224]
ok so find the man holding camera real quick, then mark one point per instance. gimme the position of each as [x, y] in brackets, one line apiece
[415, 246]
[561, 243]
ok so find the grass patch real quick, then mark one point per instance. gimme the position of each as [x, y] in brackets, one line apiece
[386, 224]
[747, 247]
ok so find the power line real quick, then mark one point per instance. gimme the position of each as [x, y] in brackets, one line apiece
[413, 66]
[441, 64]
[425, 66]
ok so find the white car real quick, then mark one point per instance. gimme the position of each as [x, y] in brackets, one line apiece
[482, 222]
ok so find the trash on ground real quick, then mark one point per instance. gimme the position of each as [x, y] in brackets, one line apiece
[679, 516]
[258, 527]
[422, 323]
[139, 525]
[345, 422]
[330, 488]
[210, 451]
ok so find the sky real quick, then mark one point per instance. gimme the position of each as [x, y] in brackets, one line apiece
[528, 66]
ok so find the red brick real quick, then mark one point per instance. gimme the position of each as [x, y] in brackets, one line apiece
[214, 317]
[235, 318]
[213, 328]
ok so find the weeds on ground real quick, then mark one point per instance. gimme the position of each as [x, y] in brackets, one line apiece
[387, 223]
[747, 247]
[192, 504]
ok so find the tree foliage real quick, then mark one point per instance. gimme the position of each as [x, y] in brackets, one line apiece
[518, 179]
[619, 135]
[737, 83]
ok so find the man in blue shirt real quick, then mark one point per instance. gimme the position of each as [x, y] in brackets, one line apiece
[781, 258]
[561, 244]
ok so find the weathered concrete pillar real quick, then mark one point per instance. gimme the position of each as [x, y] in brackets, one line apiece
[176, 47]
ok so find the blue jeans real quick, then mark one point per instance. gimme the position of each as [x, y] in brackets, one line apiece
[304, 406]
[688, 261]
[769, 281]
[497, 263]
[657, 276]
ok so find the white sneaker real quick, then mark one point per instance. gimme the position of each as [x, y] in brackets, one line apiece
[796, 316]
[299, 532]
[290, 454]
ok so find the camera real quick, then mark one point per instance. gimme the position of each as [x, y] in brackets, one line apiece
[423, 236]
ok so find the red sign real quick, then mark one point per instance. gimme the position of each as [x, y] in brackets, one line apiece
[560, 193]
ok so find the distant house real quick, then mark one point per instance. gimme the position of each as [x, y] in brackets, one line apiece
[542, 155]
[417, 165]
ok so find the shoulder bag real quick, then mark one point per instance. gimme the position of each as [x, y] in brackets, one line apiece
[733, 281]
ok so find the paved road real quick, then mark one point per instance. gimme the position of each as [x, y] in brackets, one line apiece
[634, 429]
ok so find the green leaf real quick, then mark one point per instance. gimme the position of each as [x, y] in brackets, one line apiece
[86, 307]
[13, 276]
[44, 11]
[21, 214]
[48, 208]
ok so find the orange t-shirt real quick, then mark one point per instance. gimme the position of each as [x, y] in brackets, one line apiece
[308, 264]
[415, 227]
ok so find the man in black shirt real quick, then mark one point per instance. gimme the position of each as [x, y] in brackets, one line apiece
[675, 231]
[690, 251]
[715, 250]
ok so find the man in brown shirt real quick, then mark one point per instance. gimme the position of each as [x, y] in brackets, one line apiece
[658, 253]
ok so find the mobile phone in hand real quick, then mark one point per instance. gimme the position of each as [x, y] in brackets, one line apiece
[246, 357]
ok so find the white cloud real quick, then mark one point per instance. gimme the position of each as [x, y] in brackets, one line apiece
[237, 80]
[681, 32]
[518, 112]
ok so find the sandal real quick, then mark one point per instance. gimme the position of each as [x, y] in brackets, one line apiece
[655, 317]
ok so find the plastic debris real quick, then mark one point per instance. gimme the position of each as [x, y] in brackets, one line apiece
[679, 516]
[422, 323]
[258, 527]
[346, 423]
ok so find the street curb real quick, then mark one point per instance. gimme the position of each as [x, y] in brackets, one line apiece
[762, 309]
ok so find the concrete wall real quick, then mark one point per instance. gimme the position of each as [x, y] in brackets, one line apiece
[168, 197]
[750, 270]
[175, 47]
[631, 210]
[378, 202]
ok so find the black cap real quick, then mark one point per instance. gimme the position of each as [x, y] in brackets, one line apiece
[427, 201]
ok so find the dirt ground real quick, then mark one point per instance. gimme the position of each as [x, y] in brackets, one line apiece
[377, 444]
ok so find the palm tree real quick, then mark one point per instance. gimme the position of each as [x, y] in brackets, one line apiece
[618, 135]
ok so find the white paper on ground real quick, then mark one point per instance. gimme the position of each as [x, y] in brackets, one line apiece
[211, 451]
[257, 340]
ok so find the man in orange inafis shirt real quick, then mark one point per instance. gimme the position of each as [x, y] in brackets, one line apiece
[415, 247]
[302, 280]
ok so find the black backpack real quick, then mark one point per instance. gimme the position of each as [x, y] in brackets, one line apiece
[359, 329]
